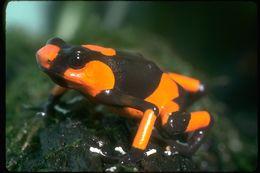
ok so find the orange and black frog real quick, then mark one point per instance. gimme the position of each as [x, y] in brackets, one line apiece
[134, 86]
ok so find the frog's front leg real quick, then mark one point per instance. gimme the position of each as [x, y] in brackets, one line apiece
[118, 98]
[181, 122]
[56, 92]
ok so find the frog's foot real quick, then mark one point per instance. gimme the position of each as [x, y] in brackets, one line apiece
[46, 110]
[134, 156]
[182, 122]
[110, 159]
[190, 147]
[43, 110]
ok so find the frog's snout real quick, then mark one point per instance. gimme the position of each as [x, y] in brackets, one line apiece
[46, 55]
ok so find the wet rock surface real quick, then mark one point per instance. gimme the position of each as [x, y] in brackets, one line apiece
[76, 141]
[73, 142]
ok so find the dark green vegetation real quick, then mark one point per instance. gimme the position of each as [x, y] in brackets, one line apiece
[61, 142]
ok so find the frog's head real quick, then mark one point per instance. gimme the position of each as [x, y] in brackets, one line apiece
[64, 63]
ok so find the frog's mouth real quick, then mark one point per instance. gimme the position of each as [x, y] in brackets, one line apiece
[57, 78]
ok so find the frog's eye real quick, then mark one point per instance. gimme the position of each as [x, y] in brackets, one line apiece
[77, 59]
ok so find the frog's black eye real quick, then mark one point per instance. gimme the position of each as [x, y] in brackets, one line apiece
[77, 59]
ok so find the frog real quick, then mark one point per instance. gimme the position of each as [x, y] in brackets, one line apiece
[132, 85]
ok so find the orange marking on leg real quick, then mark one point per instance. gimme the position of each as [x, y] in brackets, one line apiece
[145, 130]
[103, 50]
[198, 120]
[188, 83]
[169, 108]
[58, 90]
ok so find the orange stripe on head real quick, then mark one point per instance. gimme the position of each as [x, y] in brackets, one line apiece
[103, 50]
[198, 120]
[47, 54]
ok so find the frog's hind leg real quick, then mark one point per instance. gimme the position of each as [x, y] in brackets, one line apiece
[190, 89]
[180, 122]
[189, 84]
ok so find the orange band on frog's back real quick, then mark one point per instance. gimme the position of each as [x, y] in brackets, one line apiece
[103, 50]
[166, 91]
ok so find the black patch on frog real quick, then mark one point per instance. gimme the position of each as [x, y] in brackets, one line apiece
[134, 75]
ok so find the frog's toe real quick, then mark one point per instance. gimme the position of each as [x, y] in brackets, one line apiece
[135, 155]
[110, 159]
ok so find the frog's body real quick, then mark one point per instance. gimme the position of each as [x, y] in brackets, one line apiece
[133, 85]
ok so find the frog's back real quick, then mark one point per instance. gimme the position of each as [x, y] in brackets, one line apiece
[134, 74]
